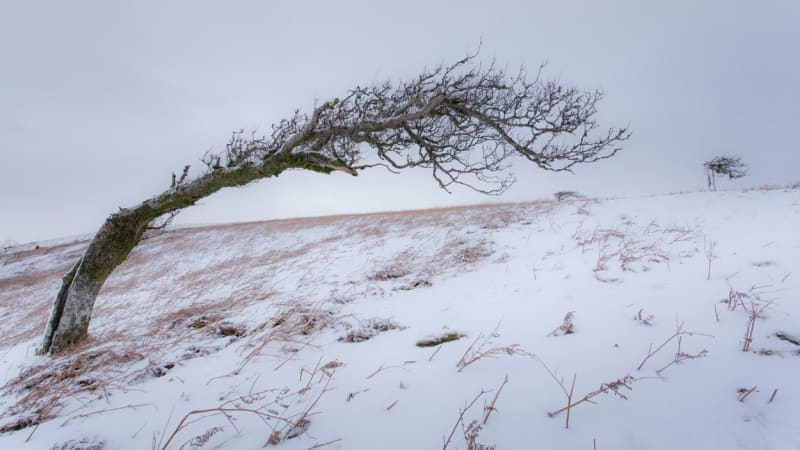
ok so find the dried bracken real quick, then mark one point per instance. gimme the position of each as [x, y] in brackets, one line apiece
[484, 346]
[296, 324]
[680, 332]
[644, 319]
[745, 392]
[471, 431]
[567, 326]
[635, 248]
[392, 271]
[612, 386]
[754, 305]
[271, 406]
[83, 374]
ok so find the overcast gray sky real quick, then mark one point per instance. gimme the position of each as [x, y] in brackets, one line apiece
[100, 101]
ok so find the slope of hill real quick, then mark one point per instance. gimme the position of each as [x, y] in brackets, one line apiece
[644, 323]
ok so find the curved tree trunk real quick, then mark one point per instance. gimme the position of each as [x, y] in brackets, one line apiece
[72, 307]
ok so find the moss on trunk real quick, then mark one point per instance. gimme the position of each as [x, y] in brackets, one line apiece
[122, 231]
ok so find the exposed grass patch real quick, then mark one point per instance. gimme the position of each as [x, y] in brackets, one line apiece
[433, 341]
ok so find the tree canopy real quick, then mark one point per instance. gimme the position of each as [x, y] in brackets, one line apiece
[731, 166]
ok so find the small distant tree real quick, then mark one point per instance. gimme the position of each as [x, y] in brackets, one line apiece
[463, 122]
[6, 244]
[731, 166]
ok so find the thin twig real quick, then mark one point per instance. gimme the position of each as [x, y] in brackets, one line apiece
[461, 413]
[486, 349]
[751, 324]
[569, 398]
[382, 368]
[324, 444]
[612, 386]
[102, 411]
[772, 397]
[680, 356]
[490, 407]
[746, 393]
[310, 407]
[678, 333]
[164, 431]
[434, 353]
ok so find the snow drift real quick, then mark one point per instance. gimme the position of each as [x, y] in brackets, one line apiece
[643, 323]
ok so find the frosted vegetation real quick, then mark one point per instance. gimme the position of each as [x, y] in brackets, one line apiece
[658, 322]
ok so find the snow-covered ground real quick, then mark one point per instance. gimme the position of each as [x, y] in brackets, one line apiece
[306, 333]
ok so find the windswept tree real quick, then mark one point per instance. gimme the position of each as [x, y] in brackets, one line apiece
[731, 166]
[465, 122]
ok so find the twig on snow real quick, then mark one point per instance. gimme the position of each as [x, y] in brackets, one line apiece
[487, 409]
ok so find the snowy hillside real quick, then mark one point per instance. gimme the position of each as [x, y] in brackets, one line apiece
[665, 322]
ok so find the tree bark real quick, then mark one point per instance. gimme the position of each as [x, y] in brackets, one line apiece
[74, 302]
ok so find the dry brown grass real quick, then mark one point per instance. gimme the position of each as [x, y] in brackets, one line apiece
[634, 248]
[168, 310]
[484, 347]
[183, 315]
[26, 296]
[28, 324]
[292, 327]
[59, 251]
[398, 266]
[773, 187]
[103, 364]
[680, 332]
[457, 255]
[471, 431]
[506, 213]
[271, 406]
[753, 304]
[85, 373]
[613, 386]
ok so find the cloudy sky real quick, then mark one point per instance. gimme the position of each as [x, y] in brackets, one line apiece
[101, 101]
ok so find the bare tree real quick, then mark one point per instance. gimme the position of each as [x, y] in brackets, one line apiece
[732, 166]
[464, 121]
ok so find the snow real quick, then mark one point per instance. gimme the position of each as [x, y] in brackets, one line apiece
[258, 316]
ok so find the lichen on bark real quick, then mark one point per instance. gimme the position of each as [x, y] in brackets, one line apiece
[72, 307]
